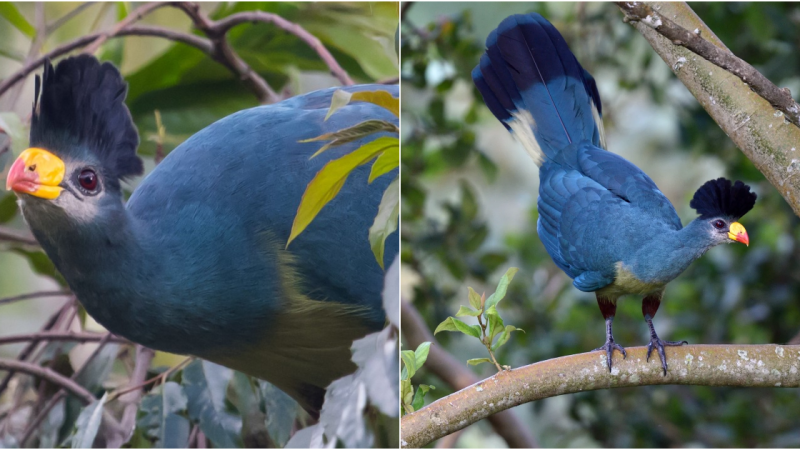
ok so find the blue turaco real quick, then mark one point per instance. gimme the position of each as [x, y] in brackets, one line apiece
[196, 262]
[602, 220]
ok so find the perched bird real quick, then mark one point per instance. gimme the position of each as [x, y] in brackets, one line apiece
[602, 220]
[196, 261]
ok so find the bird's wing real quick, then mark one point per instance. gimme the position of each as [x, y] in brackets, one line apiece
[628, 182]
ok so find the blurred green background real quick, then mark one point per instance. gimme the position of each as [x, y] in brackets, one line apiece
[469, 211]
[190, 91]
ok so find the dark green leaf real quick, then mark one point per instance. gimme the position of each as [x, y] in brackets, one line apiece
[205, 384]
[161, 416]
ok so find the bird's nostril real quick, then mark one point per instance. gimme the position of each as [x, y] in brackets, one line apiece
[32, 167]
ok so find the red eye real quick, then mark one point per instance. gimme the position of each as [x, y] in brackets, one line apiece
[88, 179]
[718, 224]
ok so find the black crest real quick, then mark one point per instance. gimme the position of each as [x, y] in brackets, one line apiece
[720, 198]
[82, 108]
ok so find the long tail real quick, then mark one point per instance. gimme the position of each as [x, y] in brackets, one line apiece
[534, 85]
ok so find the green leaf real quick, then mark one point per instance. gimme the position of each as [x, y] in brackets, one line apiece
[467, 311]
[205, 384]
[453, 324]
[350, 134]
[474, 298]
[409, 363]
[160, 416]
[386, 162]
[419, 396]
[476, 361]
[496, 324]
[339, 99]
[88, 424]
[504, 336]
[421, 354]
[8, 207]
[381, 98]
[386, 220]
[281, 411]
[502, 287]
[330, 179]
[406, 396]
[15, 18]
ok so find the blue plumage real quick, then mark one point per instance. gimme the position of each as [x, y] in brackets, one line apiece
[602, 220]
[196, 262]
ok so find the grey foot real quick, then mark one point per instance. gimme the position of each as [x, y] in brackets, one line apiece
[609, 347]
[656, 342]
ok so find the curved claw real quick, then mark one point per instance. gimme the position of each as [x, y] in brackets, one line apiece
[660, 344]
[609, 347]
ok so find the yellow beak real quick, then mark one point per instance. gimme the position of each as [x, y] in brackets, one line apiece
[37, 172]
[738, 233]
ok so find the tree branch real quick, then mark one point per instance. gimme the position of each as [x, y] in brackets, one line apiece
[11, 235]
[453, 372]
[767, 365]
[17, 298]
[224, 54]
[144, 356]
[226, 23]
[82, 337]
[779, 98]
[54, 377]
[134, 16]
[762, 133]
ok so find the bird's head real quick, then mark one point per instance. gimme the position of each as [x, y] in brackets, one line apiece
[721, 204]
[83, 142]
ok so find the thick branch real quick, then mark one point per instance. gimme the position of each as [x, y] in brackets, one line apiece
[54, 377]
[225, 24]
[456, 374]
[705, 365]
[779, 98]
[762, 133]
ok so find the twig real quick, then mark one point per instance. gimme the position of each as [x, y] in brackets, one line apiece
[29, 349]
[134, 16]
[766, 365]
[779, 98]
[453, 372]
[34, 424]
[162, 377]
[17, 298]
[144, 356]
[11, 235]
[224, 54]
[223, 25]
[133, 30]
[63, 336]
[56, 24]
[54, 377]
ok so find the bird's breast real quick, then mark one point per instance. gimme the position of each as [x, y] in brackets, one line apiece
[627, 283]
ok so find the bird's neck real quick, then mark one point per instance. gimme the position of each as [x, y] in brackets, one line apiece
[102, 261]
[672, 253]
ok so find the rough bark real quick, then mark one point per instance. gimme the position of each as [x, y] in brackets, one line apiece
[768, 365]
[762, 132]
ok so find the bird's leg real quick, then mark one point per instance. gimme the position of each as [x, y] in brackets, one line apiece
[609, 308]
[650, 306]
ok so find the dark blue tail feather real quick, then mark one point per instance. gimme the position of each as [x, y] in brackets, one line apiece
[530, 79]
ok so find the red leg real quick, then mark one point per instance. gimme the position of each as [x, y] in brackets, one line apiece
[608, 307]
[650, 306]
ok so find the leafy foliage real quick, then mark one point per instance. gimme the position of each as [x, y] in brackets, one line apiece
[490, 324]
[201, 404]
[468, 207]
[411, 399]
[384, 151]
